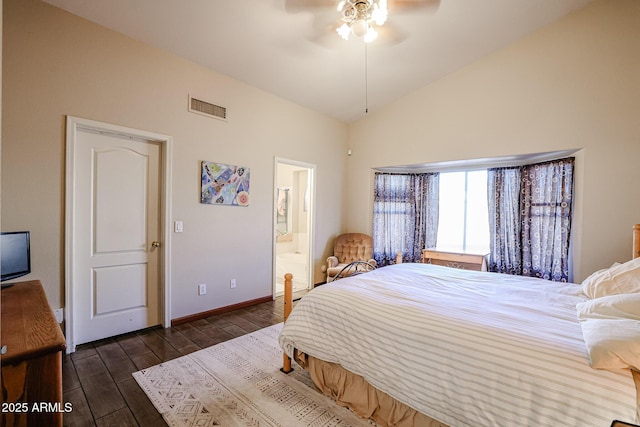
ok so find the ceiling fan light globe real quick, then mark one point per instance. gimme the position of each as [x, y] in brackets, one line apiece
[359, 27]
[379, 20]
[379, 16]
[344, 31]
[371, 35]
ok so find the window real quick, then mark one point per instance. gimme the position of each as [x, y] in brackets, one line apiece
[463, 214]
[523, 221]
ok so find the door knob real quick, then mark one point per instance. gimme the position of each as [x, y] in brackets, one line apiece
[155, 244]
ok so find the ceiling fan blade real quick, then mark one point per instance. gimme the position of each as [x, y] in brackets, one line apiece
[300, 5]
[402, 5]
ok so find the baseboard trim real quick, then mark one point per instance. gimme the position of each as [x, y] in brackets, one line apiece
[220, 310]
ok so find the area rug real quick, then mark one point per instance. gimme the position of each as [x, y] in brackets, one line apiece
[239, 383]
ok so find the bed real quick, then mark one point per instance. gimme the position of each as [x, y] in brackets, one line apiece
[419, 344]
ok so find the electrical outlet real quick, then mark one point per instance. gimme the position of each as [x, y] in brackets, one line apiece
[59, 313]
[202, 289]
[233, 283]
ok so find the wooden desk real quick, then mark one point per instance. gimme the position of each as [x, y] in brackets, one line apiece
[464, 260]
[32, 364]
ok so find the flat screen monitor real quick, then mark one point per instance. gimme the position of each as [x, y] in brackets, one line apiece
[15, 254]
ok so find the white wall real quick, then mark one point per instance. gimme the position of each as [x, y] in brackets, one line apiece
[56, 64]
[574, 84]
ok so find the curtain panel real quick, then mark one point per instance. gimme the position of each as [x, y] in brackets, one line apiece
[405, 215]
[503, 194]
[546, 203]
[530, 210]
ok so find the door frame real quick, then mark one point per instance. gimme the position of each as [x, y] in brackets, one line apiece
[74, 125]
[311, 221]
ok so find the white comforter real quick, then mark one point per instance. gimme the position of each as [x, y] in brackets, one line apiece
[466, 348]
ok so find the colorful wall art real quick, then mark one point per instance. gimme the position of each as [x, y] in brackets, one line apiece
[224, 184]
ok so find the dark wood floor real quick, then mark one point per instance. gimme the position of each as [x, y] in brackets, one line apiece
[97, 378]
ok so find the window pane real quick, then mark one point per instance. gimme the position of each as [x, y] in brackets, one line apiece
[451, 217]
[454, 194]
[477, 213]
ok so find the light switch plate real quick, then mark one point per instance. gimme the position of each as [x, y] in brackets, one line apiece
[59, 313]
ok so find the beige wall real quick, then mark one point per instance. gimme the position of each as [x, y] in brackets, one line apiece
[574, 84]
[56, 64]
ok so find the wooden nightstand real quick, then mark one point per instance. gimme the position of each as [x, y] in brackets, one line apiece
[451, 258]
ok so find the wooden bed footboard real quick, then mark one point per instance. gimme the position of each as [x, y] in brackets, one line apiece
[636, 241]
[288, 305]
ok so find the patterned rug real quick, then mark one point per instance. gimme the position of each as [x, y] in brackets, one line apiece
[239, 383]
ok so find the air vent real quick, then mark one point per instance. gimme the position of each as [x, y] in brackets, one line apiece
[207, 109]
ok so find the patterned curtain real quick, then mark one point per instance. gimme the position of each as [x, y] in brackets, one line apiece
[547, 193]
[530, 219]
[503, 192]
[405, 216]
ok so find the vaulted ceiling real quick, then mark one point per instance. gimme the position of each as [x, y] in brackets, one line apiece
[290, 48]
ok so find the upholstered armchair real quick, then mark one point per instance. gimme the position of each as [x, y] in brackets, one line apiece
[348, 248]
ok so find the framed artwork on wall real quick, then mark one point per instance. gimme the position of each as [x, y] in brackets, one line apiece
[223, 184]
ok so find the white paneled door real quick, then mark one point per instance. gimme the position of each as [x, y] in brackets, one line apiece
[116, 234]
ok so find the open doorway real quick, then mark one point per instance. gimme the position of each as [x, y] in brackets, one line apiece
[293, 207]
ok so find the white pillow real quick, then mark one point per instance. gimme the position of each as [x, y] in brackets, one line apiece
[619, 279]
[612, 343]
[592, 281]
[611, 306]
[595, 277]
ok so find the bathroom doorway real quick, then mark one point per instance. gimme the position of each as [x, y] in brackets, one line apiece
[293, 207]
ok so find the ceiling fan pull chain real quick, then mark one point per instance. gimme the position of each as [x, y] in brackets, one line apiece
[366, 82]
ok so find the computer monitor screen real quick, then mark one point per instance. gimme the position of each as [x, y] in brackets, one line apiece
[15, 254]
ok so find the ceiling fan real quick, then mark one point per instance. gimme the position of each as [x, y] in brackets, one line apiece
[360, 18]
